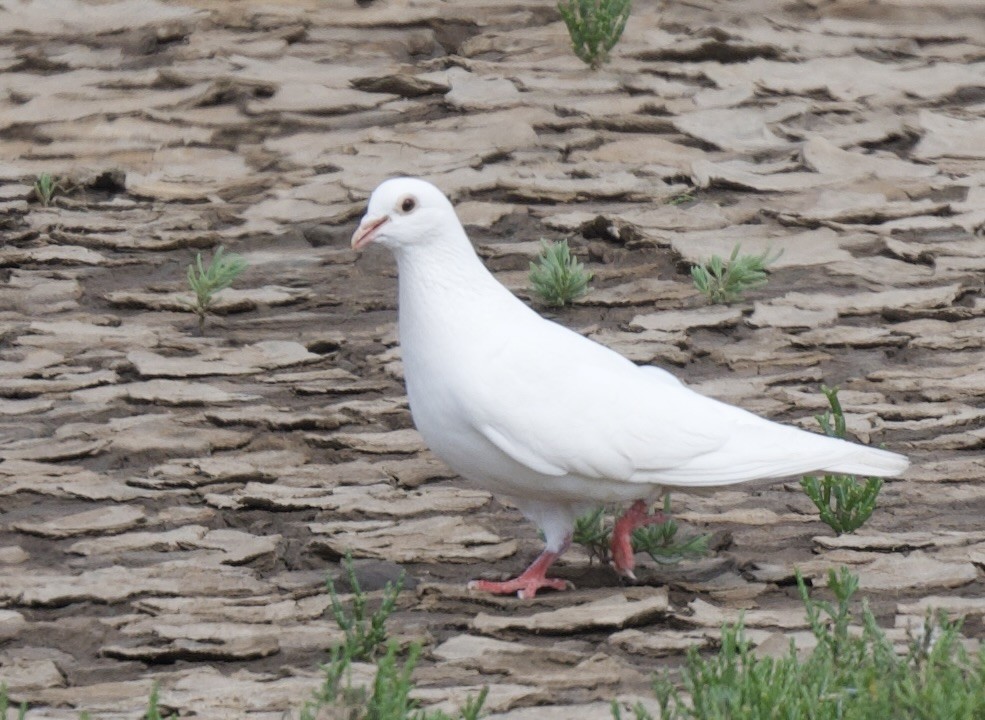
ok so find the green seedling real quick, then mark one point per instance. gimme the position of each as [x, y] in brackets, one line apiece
[205, 282]
[844, 503]
[5, 704]
[388, 698]
[557, 277]
[682, 198]
[595, 27]
[365, 632]
[853, 673]
[45, 188]
[661, 543]
[153, 711]
[724, 281]
[593, 531]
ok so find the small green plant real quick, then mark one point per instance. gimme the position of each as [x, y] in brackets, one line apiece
[661, 543]
[205, 282]
[45, 187]
[853, 673]
[153, 711]
[387, 699]
[844, 503]
[595, 27]
[724, 281]
[365, 633]
[5, 704]
[558, 277]
[681, 198]
[593, 531]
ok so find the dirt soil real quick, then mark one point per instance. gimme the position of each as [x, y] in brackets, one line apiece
[170, 502]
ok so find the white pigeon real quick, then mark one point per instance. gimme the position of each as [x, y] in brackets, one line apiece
[557, 423]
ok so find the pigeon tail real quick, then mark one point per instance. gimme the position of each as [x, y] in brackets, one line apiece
[869, 461]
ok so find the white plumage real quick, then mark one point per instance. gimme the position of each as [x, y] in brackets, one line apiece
[558, 423]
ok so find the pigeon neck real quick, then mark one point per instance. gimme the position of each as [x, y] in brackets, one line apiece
[446, 268]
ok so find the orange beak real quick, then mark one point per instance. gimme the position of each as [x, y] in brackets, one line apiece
[365, 233]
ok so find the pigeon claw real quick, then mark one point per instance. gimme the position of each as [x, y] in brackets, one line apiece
[637, 516]
[525, 588]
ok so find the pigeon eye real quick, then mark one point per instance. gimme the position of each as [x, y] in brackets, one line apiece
[408, 204]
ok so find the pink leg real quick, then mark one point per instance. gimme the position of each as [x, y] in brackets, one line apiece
[533, 579]
[622, 534]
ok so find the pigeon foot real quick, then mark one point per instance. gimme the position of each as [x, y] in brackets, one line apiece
[526, 585]
[637, 516]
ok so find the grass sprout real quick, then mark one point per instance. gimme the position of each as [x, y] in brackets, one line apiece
[5, 704]
[595, 27]
[365, 632]
[844, 503]
[593, 531]
[153, 711]
[682, 198]
[206, 281]
[724, 281]
[46, 186]
[388, 698]
[557, 277]
[853, 673]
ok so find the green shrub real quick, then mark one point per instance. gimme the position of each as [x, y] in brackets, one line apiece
[558, 277]
[364, 632]
[205, 282]
[724, 281]
[594, 26]
[852, 674]
[842, 501]
[593, 531]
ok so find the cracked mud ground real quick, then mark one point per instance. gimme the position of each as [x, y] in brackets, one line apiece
[170, 503]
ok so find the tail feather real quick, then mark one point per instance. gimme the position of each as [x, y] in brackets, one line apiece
[786, 452]
[870, 461]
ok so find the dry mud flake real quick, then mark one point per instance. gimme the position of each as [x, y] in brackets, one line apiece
[105, 520]
[643, 291]
[219, 649]
[895, 573]
[394, 441]
[209, 692]
[636, 607]
[259, 610]
[945, 136]
[823, 156]
[115, 584]
[801, 249]
[225, 302]
[660, 643]
[900, 541]
[680, 320]
[74, 18]
[707, 615]
[158, 433]
[12, 623]
[501, 697]
[851, 206]
[71, 336]
[233, 547]
[58, 255]
[39, 293]
[248, 360]
[176, 392]
[63, 481]
[742, 130]
[433, 539]
[197, 173]
[868, 303]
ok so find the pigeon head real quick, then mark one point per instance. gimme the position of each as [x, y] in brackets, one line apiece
[403, 212]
